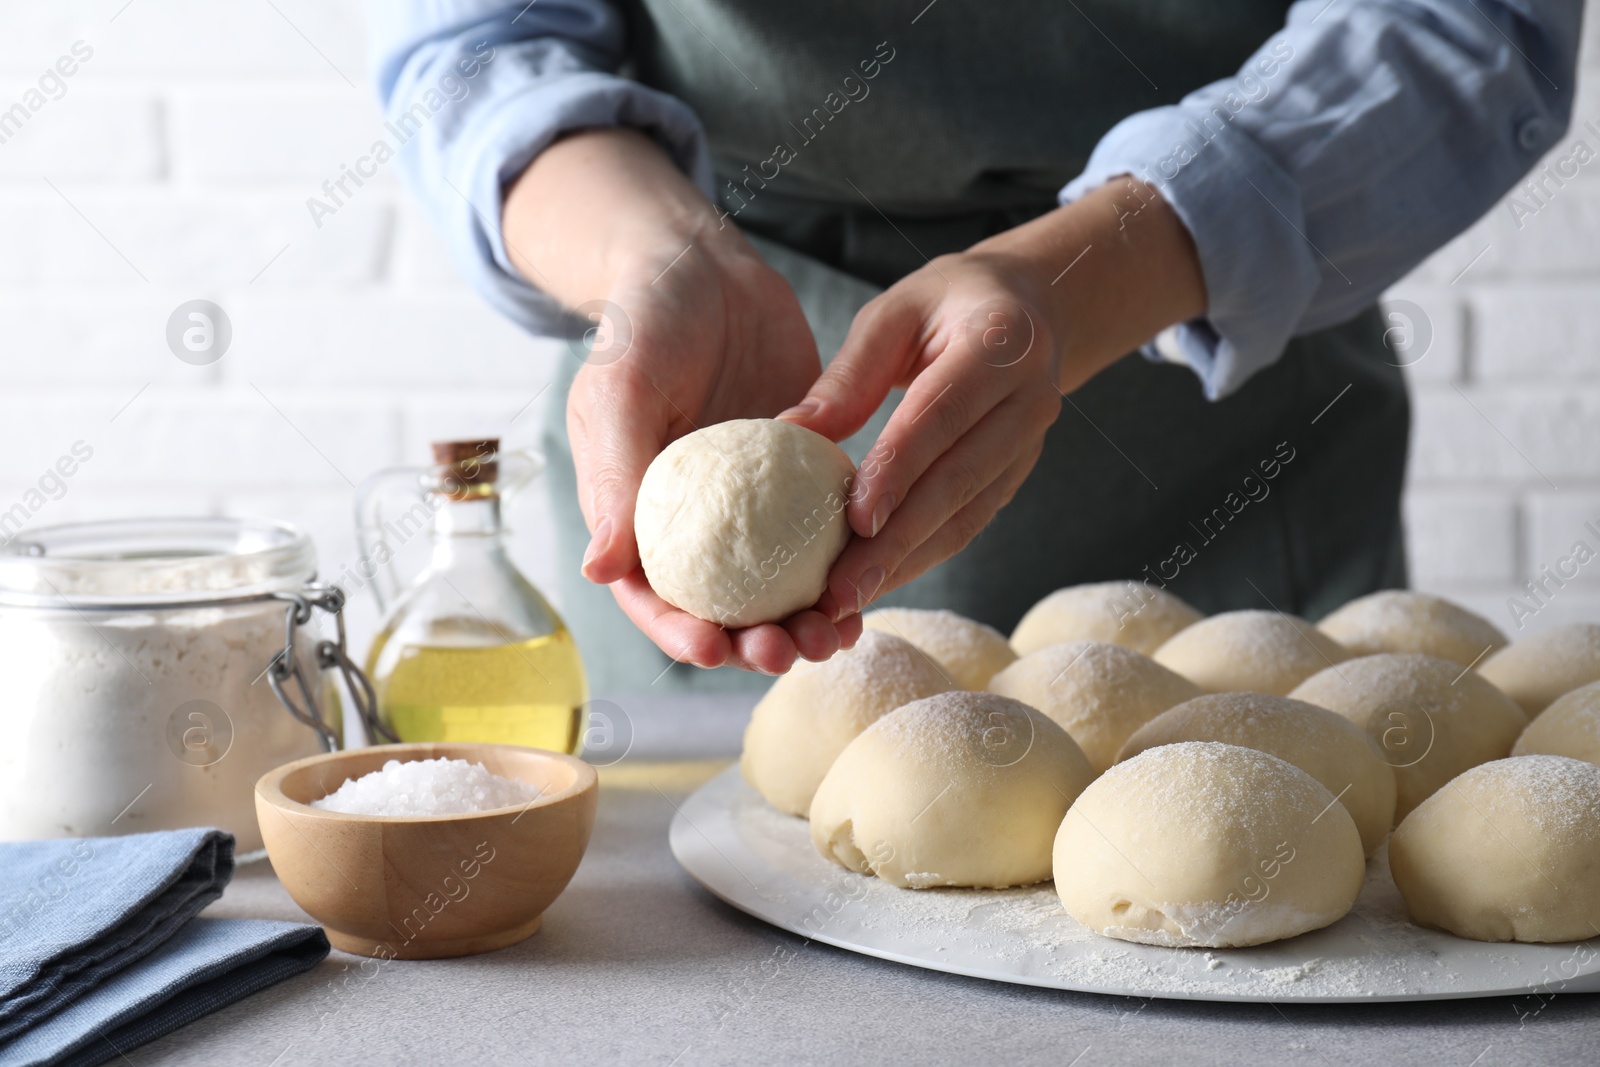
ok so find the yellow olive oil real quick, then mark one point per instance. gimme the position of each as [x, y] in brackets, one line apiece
[527, 693]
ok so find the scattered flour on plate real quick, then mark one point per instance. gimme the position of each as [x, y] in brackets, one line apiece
[1296, 973]
[427, 787]
[1015, 933]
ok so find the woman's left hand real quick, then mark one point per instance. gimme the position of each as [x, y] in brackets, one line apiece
[967, 338]
[986, 342]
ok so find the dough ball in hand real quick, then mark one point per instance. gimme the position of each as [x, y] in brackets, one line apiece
[1540, 667]
[1205, 844]
[1329, 747]
[738, 523]
[1250, 651]
[1399, 620]
[1131, 613]
[1569, 727]
[1098, 693]
[810, 714]
[969, 651]
[1432, 718]
[958, 789]
[1508, 851]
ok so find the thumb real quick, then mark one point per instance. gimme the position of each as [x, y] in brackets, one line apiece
[617, 427]
[867, 366]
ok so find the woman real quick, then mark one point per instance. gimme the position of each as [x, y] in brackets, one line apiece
[986, 205]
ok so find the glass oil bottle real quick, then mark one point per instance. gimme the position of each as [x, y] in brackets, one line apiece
[470, 650]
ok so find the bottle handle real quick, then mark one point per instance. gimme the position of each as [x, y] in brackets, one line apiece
[380, 536]
[518, 469]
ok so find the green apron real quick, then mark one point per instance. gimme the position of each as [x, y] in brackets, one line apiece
[1284, 495]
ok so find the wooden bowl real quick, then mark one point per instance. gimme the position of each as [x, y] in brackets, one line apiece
[425, 887]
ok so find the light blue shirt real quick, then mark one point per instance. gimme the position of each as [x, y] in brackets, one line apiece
[1356, 141]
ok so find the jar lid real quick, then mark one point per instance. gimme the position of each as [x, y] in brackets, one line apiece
[153, 562]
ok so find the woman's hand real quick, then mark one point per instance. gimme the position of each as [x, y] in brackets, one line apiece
[693, 328]
[985, 343]
[968, 338]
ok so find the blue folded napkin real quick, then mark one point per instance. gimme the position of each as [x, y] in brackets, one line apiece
[207, 965]
[100, 950]
[73, 912]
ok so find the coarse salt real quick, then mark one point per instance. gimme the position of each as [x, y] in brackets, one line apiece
[428, 787]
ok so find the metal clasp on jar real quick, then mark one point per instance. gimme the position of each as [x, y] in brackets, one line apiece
[285, 667]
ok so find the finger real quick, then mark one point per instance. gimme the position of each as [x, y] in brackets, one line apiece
[952, 481]
[826, 604]
[618, 421]
[959, 388]
[772, 648]
[872, 359]
[766, 648]
[964, 525]
[849, 628]
[848, 625]
[815, 636]
[676, 632]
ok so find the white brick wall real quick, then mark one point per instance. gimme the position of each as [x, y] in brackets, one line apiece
[177, 165]
[1506, 443]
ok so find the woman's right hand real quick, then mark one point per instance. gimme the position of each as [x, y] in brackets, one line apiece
[695, 329]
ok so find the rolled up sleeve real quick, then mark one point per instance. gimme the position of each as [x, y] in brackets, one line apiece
[1352, 144]
[473, 90]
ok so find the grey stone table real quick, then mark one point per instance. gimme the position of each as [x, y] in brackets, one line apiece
[637, 965]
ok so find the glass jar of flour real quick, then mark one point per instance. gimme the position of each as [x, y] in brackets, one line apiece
[152, 670]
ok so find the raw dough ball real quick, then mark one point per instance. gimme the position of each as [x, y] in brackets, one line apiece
[811, 713]
[970, 652]
[1135, 614]
[1255, 651]
[1329, 747]
[1207, 844]
[958, 789]
[1098, 693]
[1509, 851]
[1398, 620]
[1432, 718]
[1569, 727]
[738, 523]
[1540, 667]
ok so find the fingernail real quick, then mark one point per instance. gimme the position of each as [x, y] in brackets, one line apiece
[598, 543]
[868, 587]
[881, 513]
[804, 410]
[845, 646]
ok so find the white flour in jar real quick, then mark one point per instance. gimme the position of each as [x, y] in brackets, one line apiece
[120, 721]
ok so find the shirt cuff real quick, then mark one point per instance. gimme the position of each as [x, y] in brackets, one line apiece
[1244, 214]
[501, 141]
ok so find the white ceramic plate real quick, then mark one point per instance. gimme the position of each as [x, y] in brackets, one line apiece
[761, 861]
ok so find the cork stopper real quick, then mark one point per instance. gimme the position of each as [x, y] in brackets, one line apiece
[470, 466]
